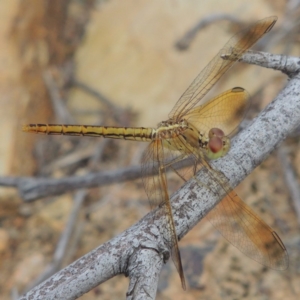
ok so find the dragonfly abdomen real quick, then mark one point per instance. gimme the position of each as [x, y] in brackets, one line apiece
[126, 133]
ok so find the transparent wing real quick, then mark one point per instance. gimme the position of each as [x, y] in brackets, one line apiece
[225, 111]
[154, 161]
[235, 47]
[235, 220]
[246, 231]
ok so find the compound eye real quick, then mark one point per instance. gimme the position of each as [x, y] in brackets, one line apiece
[215, 144]
[217, 132]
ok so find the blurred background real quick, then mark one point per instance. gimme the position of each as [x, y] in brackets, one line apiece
[126, 63]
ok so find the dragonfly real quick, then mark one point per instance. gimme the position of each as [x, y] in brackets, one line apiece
[199, 131]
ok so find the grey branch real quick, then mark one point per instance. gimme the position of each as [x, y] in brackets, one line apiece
[34, 188]
[290, 179]
[62, 245]
[184, 42]
[31, 188]
[139, 252]
[286, 64]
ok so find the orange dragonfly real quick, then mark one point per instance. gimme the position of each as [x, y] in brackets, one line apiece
[199, 131]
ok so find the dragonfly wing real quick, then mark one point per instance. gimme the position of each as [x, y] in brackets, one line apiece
[225, 111]
[156, 187]
[234, 219]
[150, 165]
[235, 48]
[237, 222]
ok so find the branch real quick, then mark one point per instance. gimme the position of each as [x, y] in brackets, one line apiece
[290, 179]
[33, 188]
[286, 64]
[185, 41]
[133, 252]
[63, 243]
[61, 112]
[129, 253]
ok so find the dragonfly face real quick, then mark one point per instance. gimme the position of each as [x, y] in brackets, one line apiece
[218, 144]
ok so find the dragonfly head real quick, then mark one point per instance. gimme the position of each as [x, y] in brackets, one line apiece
[218, 144]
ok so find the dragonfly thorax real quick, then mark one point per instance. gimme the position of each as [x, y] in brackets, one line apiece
[185, 137]
[170, 129]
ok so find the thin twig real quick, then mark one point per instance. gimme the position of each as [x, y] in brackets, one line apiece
[31, 188]
[104, 99]
[82, 152]
[115, 110]
[184, 42]
[61, 113]
[61, 247]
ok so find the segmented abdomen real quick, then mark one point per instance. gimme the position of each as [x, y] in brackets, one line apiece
[130, 133]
